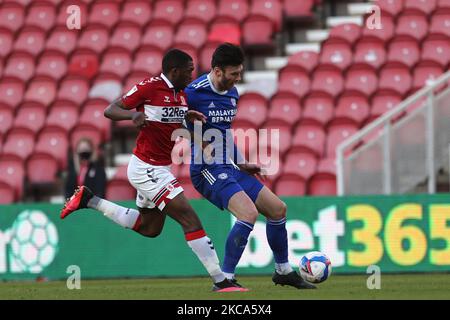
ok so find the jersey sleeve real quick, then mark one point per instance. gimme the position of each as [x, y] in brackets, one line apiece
[191, 98]
[137, 95]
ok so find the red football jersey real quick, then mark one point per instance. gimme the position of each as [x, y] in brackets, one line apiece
[165, 110]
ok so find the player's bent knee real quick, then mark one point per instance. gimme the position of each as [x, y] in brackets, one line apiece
[249, 216]
[281, 210]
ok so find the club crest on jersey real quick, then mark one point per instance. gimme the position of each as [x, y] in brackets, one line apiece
[166, 99]
[233, 102]
[183, 101]
[222, 176]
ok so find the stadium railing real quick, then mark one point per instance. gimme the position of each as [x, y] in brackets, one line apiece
[401, 149]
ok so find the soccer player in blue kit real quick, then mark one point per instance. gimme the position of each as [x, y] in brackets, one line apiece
[232, 184]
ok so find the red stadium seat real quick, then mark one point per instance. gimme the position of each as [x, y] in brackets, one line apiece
[41, 14]
[440, 23]
[353, 106]
[361, 78]
[84, 63]
[6, 42]
[19, 142]
[271, 9]
[137, 11]
[62, 15]
[298, 9]
[252, 108]
[170, 10]
[370, 52]
[61, 40]
[307, 60]
[285, 107]
[225, 29]
[206, 55]
[12, 16]
[74, 89]
[395, 76]
[12, 172]
[336, 54]
[64, 114]
[426, 7]
[116, 61]
[424, 73]
[119, 189]
[436, 49]
[7, 192]
[52, 64]
[309, 137]
[257, 31]
[159, 33]
[235, 9]
[30, 40]
[391, 7]
[338, 131]
[328, 80]
[347, 32]
[318, 107]
[413, 24]
[105, 13]
[148, 59]
[323, 183]
[11, 91]
[6, 120]
[192, 32]
[41, 168]
[302, 164]
[92, 114]
[404, 50]
[294, 80]
[204, 10]
[290, 185]
[41, 90]
[443, 4]
[285, 135]
[127, 35]
[31, 115]
[384, 34]
[53, 140]
[85, 131]
[95, 37]
[384, 101]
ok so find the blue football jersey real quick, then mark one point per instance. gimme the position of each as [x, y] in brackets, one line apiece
[220, 108]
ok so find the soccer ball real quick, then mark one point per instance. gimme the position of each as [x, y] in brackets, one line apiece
[315, 267]
[34, 241]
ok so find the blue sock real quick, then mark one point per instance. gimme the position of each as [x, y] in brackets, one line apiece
[235, 245]
[277, 238]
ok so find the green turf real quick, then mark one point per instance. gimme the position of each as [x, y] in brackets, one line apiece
[412, 286]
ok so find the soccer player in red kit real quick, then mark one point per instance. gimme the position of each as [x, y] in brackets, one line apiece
[157, 106]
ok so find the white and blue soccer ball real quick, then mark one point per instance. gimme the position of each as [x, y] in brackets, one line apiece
[315, 267]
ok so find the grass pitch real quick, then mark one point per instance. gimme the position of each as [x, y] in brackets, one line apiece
[352, 287]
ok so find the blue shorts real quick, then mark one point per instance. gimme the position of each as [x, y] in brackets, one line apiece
[219, 183]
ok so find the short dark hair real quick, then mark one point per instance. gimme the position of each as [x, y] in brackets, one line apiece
[227, 54]
[175, 58]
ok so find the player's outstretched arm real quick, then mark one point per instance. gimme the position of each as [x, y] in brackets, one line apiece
[116, 111]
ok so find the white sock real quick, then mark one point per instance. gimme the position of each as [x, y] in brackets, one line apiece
[206, 253]
[125, 217]
[230, 276]
[283, 268]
